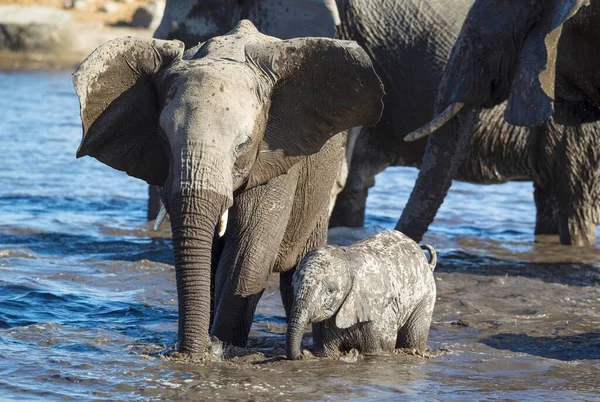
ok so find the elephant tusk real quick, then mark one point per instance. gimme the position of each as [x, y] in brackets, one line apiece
[436, 123]
[162, 214]
[223, 223]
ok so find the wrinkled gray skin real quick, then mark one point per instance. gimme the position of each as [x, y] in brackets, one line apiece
[245, 122]
[410, 42]
[512, 51]
[199, 20]
[195, 21]
[373, 296]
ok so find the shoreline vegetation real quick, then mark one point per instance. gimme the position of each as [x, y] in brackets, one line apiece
[59, 35]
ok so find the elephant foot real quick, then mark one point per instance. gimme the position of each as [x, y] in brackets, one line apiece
[578, 234]
[214, 352]
[425, 354]
[305, 354]
[233, 318]
[350, 357]
[546, 238]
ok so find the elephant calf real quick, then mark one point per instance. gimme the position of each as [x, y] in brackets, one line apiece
[375, 296]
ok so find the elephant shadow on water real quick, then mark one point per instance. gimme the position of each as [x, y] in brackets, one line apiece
[584, 346]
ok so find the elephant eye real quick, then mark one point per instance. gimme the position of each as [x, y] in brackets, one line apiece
[240, 147]
[330, 289]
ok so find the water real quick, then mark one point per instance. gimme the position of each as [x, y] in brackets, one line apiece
[88, 300]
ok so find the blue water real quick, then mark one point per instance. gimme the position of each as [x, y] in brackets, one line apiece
[88, 299]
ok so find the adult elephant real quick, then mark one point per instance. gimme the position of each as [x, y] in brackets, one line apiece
[541, 58]
[193, 22]
[244, 123]
[409, 42]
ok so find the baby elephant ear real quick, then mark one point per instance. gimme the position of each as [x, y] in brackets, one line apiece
[320, 88]
[371, 293]
[119, 105]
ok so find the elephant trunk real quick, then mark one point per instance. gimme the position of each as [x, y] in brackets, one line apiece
[298, 320]
[194, 218]
[444, 154]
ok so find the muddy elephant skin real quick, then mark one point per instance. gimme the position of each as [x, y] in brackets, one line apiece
[373, 296]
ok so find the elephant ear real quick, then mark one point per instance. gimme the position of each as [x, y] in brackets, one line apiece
[295, 18]
[532, 90]
[370, 294]
[320, 88]
[119, 105]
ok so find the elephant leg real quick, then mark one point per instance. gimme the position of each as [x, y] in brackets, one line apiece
[350, 205]
[546, 222]
[326, 341]
[287, 290]
[257, 223]
[349, 209]
[340, 182]
[217, 250]
[153, 203]
[577, 225]
[579, 181]
[307, 227]
[317, 238]
[415, 331]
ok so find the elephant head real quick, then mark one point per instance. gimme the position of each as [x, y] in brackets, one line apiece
[227, 116]
[506, 51]
[198, 20]
[328, 282]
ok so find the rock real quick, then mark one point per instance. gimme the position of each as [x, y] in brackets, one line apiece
[110, 8]
[76, 4]
[149, 15]
[33, 28]
[79, 4]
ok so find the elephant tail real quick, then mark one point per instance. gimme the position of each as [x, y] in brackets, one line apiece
[432, 256]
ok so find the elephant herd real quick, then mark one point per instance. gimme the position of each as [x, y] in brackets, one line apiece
[249, 137]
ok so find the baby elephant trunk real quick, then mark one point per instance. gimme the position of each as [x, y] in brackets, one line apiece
[296, 324]
[432, 255]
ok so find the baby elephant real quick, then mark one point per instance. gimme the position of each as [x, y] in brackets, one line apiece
[374, 296]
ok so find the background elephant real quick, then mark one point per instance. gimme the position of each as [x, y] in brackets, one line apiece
[245, 123]
[541, 58]
[409, 43]
[374, 296]
[197, 21]
[193, 22]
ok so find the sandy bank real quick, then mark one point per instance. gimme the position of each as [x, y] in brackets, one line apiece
[45, 35]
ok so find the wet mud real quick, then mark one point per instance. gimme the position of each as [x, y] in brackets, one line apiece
[88, 297]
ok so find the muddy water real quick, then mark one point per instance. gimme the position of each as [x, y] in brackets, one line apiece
[88, 301]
